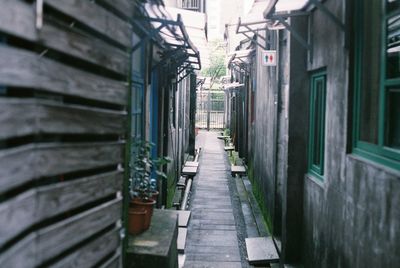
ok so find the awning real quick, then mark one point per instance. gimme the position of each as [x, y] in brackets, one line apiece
[169, 33]
[278, 11]
[254, 22]
[232, 85]
[240, 56]
[196, 25]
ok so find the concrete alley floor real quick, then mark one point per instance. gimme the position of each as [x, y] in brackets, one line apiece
[223, 212]
[216, 229]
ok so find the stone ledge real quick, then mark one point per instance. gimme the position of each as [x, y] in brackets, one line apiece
[156, 247]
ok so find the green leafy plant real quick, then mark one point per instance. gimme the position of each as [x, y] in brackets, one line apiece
[143, 170]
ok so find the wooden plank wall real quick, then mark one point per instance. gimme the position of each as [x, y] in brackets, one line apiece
[63, 123]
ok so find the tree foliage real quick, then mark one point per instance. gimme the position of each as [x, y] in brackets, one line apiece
[217, 61]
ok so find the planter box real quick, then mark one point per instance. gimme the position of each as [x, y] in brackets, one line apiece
[156, 247]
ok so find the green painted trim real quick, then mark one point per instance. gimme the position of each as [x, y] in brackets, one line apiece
[317, 106]
[376, 152]
[382, 78]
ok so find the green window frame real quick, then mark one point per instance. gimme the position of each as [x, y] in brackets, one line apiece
[376, 129]
[316, 144]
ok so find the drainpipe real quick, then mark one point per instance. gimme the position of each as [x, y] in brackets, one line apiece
[276, 123]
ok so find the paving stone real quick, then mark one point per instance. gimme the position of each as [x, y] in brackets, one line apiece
[204, 264]
[182, 235]
[211, 206]
[240, 170]
[189, 171]
[207, 215]
[201, 222]
[216, 210]
[261, 250]
[212, 239]
[216, 257]
[205, 226]
[214, 232]
[183, 217]
[181, 260]
[191, 164]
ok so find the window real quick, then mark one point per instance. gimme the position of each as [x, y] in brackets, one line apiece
[317, 124]
[172, 104]
[377, 81]
[137, 111]
[191, 4]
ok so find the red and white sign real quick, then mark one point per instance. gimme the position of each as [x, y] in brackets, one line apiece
[269, 58]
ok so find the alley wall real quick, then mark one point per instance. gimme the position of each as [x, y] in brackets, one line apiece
[64, 96]
[351, 218]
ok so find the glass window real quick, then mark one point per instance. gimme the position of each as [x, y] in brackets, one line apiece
[377, 95]
[317, 123]
[370, 74]
[393, 119]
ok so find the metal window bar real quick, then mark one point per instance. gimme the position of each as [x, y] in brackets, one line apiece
[191, 4]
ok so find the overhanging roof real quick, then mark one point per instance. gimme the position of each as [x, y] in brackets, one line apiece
[278, 9]
[195, 24]
[232, 85]
[240, 56]
[254, 22]
[167, 32]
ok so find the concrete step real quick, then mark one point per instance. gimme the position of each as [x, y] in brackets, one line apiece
[182, 234]
[261, 250]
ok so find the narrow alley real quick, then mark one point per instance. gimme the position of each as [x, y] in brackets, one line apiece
[199, 133]
[212, 239]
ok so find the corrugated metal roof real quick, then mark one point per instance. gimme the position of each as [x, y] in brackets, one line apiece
[195, 23]
[290, 5]
[255, 18]
[171, 30]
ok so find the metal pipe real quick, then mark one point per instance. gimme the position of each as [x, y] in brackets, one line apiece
[186, 195]
[196, 158]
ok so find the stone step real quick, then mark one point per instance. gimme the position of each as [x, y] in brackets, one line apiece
[261, 250]
[182, 234]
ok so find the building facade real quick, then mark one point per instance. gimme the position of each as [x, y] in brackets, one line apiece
[320, 131]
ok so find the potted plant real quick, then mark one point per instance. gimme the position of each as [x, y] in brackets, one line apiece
[143, 185]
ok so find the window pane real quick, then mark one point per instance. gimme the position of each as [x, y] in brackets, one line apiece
[368, 128]
[393, 47]
[393, 119]
[392, 5]
[318, 113]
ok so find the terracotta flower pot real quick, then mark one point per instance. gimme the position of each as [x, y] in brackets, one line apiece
[146, 205]
[136, 217]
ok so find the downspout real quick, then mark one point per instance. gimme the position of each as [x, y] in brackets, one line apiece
[277, 125]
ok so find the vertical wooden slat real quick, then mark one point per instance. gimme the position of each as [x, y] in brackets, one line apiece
[81, 68]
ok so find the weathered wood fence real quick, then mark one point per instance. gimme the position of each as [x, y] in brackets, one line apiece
[63, 102]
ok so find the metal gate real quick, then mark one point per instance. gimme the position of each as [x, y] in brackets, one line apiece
[210, 113]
